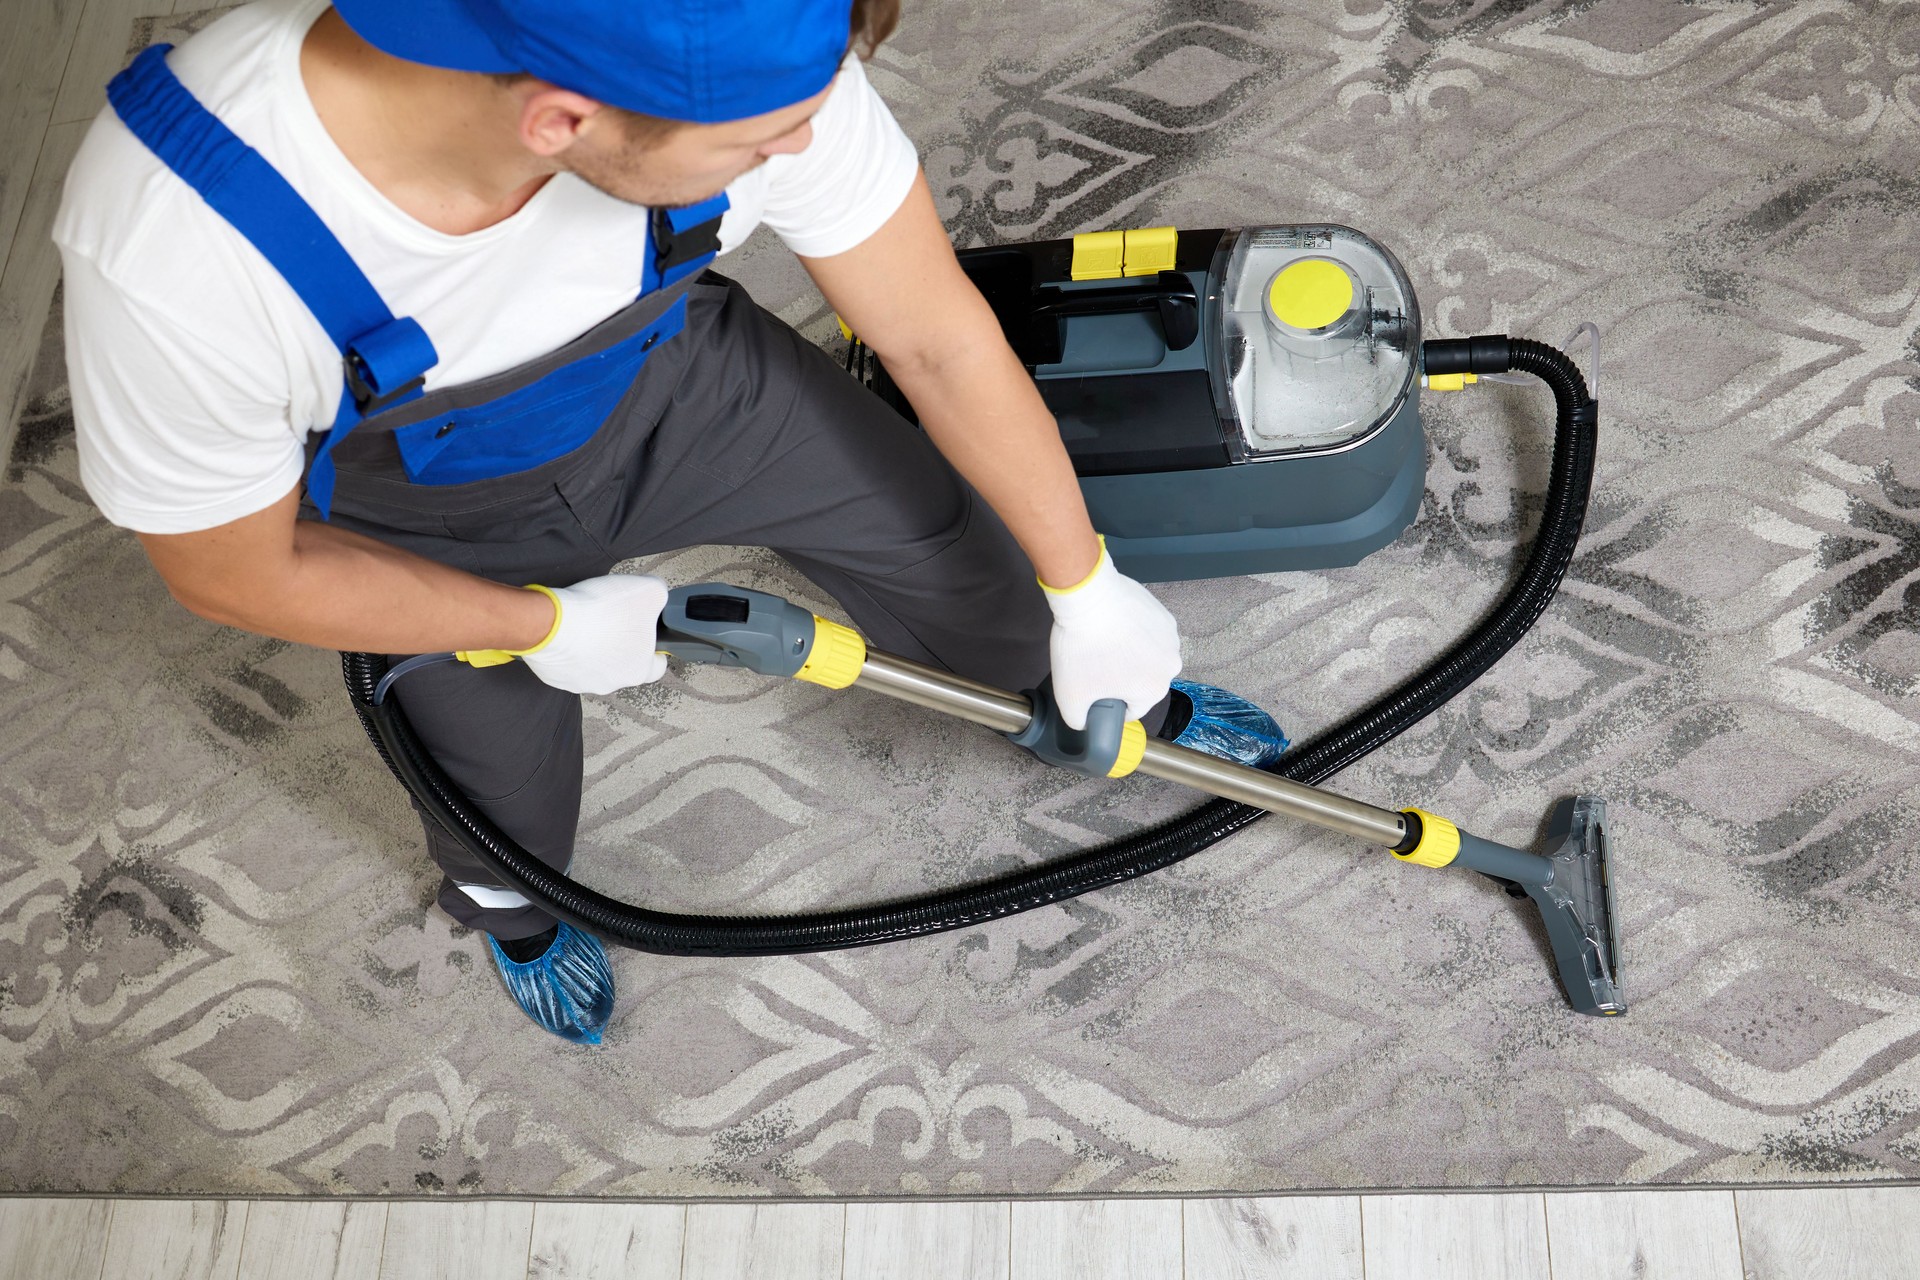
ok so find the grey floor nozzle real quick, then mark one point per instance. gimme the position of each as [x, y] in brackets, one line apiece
[1577, 905]
[1572, 885]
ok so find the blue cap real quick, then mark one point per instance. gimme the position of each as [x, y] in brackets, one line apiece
[702, 61]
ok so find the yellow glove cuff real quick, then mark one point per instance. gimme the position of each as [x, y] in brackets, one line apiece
[1067, 591]
[500, 657]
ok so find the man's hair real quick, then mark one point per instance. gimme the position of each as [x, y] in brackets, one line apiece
[871, 23]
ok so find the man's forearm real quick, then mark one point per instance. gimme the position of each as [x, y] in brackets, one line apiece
[980, 408]
[903, 291]
[319, 585]
[381, 599]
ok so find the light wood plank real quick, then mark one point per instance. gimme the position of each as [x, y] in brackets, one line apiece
[607, 1241]
[175, 1239]
[457, 1240]
[1275, 1238]
[99, 51]
[313, 1240]
[1111, 1239]
[1643, 1235]
[1851, 1233]
[764, 1241]
[27, 283]
[40, 1239]
[35, 36]
[927, 1240]
[1457, 1237]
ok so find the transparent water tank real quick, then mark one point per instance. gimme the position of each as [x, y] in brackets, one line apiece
[1318, 330]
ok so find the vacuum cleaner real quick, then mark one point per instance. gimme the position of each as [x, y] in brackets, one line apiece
[1235, 401]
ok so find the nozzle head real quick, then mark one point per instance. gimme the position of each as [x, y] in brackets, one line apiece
[1578, 904]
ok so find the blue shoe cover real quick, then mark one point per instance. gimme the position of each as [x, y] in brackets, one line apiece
[1228, 726]
[569, 990]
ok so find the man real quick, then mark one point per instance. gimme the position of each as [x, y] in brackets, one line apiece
[380, 313]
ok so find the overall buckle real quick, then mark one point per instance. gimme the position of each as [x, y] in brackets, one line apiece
[676, 247]
[367, 397]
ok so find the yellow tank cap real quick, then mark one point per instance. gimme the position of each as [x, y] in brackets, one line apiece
[1311, 293]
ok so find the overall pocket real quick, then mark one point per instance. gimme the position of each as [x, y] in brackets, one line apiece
[542, 421]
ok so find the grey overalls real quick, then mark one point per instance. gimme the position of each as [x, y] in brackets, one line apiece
[633, 439]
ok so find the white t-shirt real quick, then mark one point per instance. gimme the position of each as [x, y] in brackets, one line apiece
[197, 372]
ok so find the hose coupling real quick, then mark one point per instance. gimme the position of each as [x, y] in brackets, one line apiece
[1486, 353]
[1432, 841]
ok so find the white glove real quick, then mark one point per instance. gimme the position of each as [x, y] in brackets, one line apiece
[603, 638]
[1111, 639]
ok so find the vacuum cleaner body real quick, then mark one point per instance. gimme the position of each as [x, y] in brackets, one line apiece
[1234, 401]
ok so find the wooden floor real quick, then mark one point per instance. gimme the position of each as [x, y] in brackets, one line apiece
[55, 56]
[1854, 1234]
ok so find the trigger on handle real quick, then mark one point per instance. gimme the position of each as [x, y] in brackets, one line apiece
[715, 608]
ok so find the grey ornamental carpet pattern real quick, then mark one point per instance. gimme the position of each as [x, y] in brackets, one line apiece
[220, 973]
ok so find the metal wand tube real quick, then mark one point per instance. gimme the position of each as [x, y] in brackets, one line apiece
[1006, 712]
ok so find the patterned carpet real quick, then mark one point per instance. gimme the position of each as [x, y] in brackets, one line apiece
[220, 973]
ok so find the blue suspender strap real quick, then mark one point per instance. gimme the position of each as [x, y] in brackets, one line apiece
[385, 358]
[683, 241]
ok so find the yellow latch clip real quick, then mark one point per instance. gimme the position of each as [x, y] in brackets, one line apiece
[1151, 250]
[1099, 255]
[1108, 255]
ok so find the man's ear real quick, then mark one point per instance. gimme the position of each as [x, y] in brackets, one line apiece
[551, 118]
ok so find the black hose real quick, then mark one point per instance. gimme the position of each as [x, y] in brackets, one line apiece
[1571, 478]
